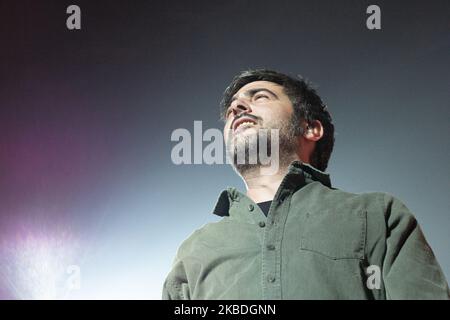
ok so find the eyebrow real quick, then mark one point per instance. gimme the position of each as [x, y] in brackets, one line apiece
[251, 92]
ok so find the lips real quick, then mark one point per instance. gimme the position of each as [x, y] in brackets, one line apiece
[242, 121]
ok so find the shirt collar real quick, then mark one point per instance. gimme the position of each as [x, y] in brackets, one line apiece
[299, 174]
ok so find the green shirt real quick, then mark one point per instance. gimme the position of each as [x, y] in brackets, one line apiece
[317, 242]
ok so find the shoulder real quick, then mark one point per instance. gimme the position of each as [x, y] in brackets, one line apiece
[381, 204]
[204, 237]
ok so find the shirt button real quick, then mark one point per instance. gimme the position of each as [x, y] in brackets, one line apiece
[271, 279]
[270, 247]
[262, 224]
[251, 207]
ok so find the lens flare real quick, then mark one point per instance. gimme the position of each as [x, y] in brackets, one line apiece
[37, 264]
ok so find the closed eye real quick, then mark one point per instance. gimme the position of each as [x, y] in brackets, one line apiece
[260, 96]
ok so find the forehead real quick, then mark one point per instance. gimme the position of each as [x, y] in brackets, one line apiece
[272, 86]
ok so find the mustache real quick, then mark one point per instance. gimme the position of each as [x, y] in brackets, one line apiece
[247, 115]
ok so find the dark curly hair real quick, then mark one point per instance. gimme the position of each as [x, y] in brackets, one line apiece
[308, 106]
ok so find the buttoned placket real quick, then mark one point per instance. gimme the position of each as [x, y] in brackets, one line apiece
[271, 246]
[273, 235]
[271, 230]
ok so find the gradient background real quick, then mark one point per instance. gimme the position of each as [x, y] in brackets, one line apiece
[86, 117]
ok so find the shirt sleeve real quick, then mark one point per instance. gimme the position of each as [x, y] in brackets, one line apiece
[410, 269]
[176, 284]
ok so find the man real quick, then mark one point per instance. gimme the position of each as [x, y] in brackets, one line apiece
[293, 236]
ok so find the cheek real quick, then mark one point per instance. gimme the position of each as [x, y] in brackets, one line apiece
[282, 113]
[275, 116]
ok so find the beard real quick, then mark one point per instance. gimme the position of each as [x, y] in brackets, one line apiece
[276, 140]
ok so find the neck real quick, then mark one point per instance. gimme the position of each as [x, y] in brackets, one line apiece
[262, 187]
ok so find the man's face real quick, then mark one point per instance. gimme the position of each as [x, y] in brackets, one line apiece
[266, 105]
[259, 105]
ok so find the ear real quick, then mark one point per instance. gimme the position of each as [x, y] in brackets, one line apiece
[313, 131]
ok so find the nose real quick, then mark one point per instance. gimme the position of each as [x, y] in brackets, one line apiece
[239, 106]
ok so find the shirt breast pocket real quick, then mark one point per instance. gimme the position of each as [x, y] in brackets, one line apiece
[335, 235]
